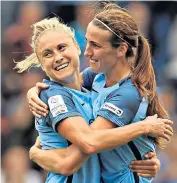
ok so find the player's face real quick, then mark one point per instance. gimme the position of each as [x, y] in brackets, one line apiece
[102, 56]
[59, 56]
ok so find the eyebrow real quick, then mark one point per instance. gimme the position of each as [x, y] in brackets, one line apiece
[45, 50]
[92, 41]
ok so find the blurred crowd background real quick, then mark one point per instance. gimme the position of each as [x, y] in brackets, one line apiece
[157, 21]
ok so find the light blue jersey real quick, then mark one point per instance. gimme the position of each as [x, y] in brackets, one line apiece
[122, 105]
[63, 103]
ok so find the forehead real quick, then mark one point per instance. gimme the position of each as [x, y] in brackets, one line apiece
[53, 38]
[97, 34]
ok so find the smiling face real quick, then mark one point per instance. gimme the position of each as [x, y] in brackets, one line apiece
[59, 55]
[102, 56]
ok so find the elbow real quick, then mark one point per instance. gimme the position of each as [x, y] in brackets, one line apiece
[32, 153]
[89, 149]
[63, 169]
[89, 146]
[66, 171]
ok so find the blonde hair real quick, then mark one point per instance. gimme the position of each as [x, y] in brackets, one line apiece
[39, 29]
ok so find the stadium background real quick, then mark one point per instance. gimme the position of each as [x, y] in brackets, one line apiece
[157, 21]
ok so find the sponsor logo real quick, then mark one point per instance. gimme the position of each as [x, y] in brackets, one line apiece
[111, 107]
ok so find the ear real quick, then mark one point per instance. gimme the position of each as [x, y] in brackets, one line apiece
[42, 67]
[122, 49]
[78, 48]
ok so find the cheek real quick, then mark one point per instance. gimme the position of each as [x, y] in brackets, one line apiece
[100, 54]
[46, 64]
[74, 57]
[76, 61]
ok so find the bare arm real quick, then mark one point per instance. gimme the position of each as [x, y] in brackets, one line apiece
[91, 141]
[145, 168]
[64, 161]
[69, 160]
[98, 124]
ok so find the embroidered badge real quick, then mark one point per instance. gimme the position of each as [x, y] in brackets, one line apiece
[57, 105]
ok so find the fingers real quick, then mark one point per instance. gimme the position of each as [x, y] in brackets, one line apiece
[146, 175]
[41, 86]
[169, 128]
[155, 115]
[38, 138]
[37, 143]
[146, 168]
[150, 155]
[167, 121]
[168, 132]
[39, 102]
[140, 169]
[145, 171]
[149, 162]
[36, 107]
[36, 115]
[166, 137]
[150, 170]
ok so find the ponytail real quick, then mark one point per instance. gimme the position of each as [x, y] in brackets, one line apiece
[144, 79]
[29, 62]
[143, 75]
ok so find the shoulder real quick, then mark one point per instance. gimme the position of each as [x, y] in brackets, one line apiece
[89, 72]
[88, 77]
[54, 89]
[127, 92]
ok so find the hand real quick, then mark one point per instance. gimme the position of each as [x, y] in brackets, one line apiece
[37, 107]
[158, 127]
[34, 148]
[146, 168]
[37, 143]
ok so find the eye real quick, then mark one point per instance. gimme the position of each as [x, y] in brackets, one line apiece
[47, 54]
[95, 45]
[61, 47]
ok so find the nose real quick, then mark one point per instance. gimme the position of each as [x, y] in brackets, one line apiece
[58, 58]
[88, 51]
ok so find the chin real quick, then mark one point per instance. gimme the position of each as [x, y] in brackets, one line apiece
[95, 69]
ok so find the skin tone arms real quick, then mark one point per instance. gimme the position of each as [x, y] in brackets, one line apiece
[147, 168]
[93, 145]
[56, 161]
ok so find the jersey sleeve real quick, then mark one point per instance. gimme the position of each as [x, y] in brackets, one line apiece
[88, 78]
[61, 105]
[121, 106]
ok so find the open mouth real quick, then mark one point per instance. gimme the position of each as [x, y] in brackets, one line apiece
[93, 61]
[62, 66]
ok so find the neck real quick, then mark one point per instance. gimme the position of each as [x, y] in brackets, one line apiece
[73, 81]
[119, 71]
[75, 84]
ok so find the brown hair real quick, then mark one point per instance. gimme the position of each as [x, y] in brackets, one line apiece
[120, 22]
